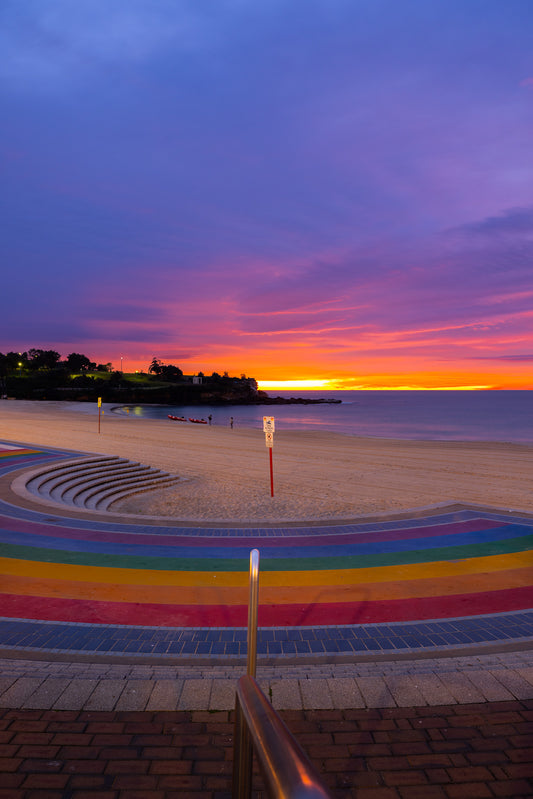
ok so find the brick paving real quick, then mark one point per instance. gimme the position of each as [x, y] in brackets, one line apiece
[440, 752]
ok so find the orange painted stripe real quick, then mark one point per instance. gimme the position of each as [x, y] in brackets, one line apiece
[156, 577]
[287, 594]
[6, 453]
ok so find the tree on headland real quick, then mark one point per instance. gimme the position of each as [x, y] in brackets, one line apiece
[11, 362]
[155, 366]
[42, 359]
[40, 374]
[79, 363]
[171, 372]
[38, 360]
[167, 371]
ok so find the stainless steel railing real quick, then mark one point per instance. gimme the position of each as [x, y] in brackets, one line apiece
[285, 768]
[253, 606]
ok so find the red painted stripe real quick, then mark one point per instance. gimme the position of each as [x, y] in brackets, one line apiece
[417, 609]
[130, 613]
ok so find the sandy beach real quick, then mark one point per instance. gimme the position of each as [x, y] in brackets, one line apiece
[224, 474]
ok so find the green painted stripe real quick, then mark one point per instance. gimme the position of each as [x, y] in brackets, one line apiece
[17, 454]
[522, 544]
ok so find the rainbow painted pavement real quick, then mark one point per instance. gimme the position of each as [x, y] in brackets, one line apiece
[83, 583]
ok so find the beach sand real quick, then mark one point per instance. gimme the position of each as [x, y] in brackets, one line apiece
[224, 474]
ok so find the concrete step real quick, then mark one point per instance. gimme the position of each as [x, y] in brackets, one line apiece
[104, 500]
[73, 493]
[57, 489]
[45, 481]
[97, 482]
[85, 495]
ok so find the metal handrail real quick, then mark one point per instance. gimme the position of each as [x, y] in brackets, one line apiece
[242, 746]
[253, 605]
[286, 770]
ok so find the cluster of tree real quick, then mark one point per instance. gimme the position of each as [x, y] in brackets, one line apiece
[42, 374]
[171, 373]
[166, 371]
[35, 360]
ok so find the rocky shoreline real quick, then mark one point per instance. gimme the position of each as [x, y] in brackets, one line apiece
[295, 401]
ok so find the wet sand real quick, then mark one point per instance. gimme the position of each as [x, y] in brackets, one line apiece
[317, 475]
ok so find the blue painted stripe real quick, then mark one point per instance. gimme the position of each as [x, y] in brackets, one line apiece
[504, 533]
[20, 634]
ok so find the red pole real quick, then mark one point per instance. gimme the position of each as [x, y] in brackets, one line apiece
[271, 474]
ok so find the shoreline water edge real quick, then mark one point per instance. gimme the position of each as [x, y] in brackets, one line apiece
[419, 415]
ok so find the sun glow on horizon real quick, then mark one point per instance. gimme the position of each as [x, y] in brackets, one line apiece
[352, 385]
[288, 385]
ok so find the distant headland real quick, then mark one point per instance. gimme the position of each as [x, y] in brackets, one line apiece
[42, 375]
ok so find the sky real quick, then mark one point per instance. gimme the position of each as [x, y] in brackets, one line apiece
[320, 190]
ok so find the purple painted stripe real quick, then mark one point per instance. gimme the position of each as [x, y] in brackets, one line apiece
[13, 462]
[264, 542]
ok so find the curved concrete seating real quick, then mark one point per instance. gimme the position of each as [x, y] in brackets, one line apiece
[96, 483]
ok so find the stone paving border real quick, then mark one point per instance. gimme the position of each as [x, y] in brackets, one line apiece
[57, 685]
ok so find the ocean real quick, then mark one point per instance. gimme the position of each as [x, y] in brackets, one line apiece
[432, 415]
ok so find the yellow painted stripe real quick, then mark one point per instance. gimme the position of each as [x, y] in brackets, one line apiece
[104, 574]
[285, 595]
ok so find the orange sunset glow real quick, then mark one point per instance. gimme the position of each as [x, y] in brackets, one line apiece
[290, 377]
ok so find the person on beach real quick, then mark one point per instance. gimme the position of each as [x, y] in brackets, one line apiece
[231, 422]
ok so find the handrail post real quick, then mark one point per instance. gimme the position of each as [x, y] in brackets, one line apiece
[286, 770]
[253, 605]
[243, 752]
[242, 756]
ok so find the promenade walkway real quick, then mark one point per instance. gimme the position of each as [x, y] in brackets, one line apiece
[418, 683]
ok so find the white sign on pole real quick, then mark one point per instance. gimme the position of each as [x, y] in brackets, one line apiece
[269, 439]
[268, 424]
